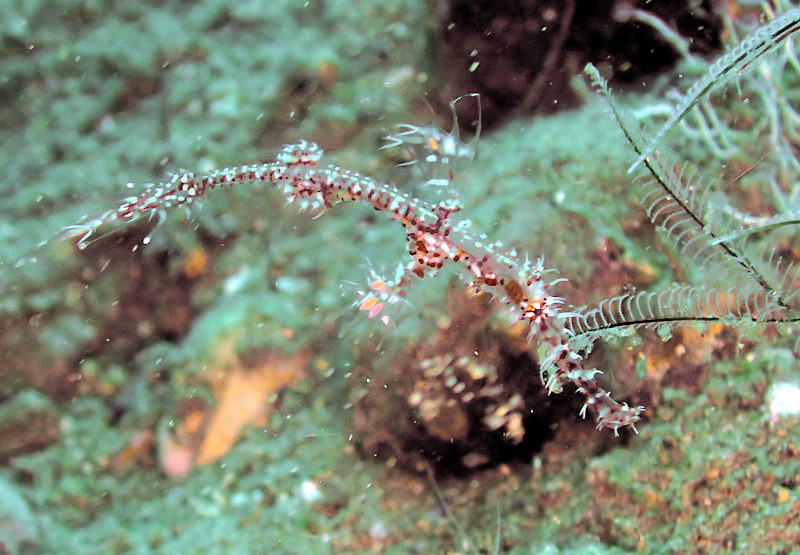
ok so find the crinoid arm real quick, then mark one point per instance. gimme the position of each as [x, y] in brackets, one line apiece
[682, 209]
[674, 305]
[766, 38]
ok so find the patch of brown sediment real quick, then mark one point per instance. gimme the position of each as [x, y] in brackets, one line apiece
[25, 363]
[711, 502]
[154, 300]
[28, 422]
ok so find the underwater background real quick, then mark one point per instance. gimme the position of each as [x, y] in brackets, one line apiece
[209, 385]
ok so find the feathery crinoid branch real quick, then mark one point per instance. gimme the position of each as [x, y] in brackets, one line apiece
[676, 304]
[739, 282]
[679, 207]
[767, 38]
